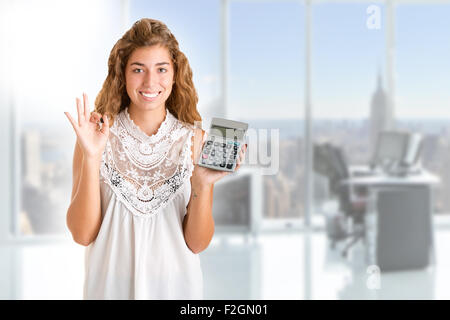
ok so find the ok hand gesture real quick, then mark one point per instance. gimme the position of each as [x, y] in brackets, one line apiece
[91, 139]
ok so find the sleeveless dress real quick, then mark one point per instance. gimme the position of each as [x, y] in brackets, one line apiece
[140, 251]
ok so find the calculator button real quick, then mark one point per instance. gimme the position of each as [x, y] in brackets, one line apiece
[229, 166]
[216, 143]
[204, 156]
[209, 142]
[222, 164]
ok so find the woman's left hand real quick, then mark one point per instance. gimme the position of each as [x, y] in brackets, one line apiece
[205, 177]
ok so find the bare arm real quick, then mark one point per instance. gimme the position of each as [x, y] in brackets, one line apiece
[198, 223]
[84, 213]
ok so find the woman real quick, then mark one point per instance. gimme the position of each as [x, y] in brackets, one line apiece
[139, 203]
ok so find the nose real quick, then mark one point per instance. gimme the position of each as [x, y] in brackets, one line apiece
[150, 79]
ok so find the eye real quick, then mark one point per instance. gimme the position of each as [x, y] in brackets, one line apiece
[162, 70]
[138, 70]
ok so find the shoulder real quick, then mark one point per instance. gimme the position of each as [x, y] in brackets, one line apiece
[197, 134]
[198, 137]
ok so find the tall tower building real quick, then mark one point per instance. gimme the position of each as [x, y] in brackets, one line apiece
[380, 115]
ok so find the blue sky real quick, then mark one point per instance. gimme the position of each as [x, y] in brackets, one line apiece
[267, 56]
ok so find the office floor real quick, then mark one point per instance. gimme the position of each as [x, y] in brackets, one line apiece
[273, 266]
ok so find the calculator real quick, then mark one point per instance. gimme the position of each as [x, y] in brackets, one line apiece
[223, 144]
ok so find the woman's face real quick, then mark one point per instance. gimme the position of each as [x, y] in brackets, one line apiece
[149, 77]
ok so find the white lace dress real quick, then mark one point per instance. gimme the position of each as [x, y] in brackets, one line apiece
[140, 251]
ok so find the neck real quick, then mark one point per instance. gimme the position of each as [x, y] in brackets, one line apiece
[148, 121]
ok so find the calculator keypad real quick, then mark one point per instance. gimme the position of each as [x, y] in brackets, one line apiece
[220, 154]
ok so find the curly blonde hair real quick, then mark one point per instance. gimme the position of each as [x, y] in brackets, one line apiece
[113, 97]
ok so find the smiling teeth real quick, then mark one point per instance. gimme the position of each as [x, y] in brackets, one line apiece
[149, 95]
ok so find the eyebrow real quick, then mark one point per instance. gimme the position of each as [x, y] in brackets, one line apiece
[143, 65]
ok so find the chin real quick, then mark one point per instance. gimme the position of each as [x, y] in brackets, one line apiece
[147, 107]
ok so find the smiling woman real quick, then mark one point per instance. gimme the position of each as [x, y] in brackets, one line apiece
[139, 203]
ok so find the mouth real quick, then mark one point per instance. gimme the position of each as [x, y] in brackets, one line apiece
[149, 95]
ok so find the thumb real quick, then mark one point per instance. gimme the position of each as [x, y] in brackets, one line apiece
[105, 126]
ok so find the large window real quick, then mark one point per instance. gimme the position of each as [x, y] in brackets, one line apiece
[59, 53]
[422, 80]
[266, 85]
[348, 71]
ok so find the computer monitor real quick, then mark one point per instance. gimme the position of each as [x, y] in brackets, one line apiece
[391, 148]
[413, 151]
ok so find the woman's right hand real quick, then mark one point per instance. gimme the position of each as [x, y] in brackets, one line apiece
[91, 139]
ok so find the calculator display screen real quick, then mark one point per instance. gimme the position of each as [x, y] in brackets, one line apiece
[230, 133]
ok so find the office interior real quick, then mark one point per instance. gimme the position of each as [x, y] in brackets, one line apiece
[344, 190]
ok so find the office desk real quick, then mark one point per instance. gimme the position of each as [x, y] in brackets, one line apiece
[399, 232]
[380, 179]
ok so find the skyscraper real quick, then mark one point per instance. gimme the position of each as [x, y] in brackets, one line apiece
[380, 115]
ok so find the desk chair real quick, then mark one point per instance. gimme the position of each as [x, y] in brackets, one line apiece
[330, 161]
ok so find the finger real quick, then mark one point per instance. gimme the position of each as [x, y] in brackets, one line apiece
[80, 113]
[238, 162]
[242, 154]
[95, 117]
[72, 121]
[238, 165]
[86, 105]
[105, 126]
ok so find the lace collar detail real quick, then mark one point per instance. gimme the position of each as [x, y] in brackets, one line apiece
[136, 132]
[143, 150]
[146, 172]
